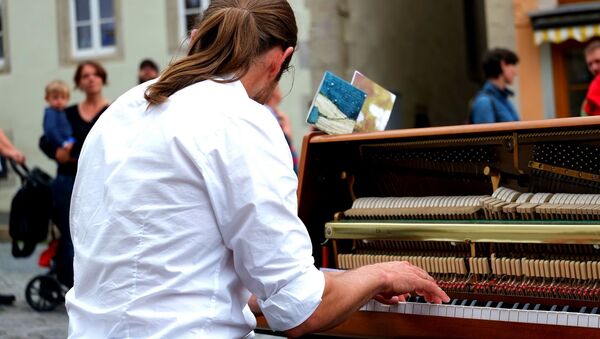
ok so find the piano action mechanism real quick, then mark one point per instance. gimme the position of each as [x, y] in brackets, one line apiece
[506, 217]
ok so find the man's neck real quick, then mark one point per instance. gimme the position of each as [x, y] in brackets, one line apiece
[499, 83]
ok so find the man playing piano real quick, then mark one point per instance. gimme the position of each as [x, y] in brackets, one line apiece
[183, 214]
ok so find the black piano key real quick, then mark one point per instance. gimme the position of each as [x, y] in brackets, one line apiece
[594, 310]
[542, 307]
[473, 303]
[420, 300]
[464, 302]
[516, 306]
[500, 305]
[553, 308]
[565, 308]
[583, 309]
[525, 307]
[454, 302]
[536, 307]
[489, 304]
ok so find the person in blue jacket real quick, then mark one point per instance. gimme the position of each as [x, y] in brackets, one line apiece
[491, 104]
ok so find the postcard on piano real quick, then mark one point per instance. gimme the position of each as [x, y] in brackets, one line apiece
[376, 110]
[336, 105]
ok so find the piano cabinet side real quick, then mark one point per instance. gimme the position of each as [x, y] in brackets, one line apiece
[324, 188]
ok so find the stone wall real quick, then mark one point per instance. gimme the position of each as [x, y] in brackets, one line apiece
[415, 48]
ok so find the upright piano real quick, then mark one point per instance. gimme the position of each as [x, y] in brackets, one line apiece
[506, 218]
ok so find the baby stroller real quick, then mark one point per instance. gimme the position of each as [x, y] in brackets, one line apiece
[45, 292]
[28, 225]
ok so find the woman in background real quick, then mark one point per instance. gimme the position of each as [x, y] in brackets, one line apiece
[90, 77]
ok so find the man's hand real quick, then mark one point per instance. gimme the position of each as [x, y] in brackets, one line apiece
[346, 292]
[404, 278]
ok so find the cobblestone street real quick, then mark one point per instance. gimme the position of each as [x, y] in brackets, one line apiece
[20, 320]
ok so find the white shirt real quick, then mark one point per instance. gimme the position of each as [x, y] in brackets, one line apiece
[179, 213]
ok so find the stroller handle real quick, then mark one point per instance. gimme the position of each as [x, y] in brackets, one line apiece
[21, 169]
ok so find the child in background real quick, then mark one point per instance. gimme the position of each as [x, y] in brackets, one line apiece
[56, 126]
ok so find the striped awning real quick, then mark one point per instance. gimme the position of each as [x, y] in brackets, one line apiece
[579, 22]
[562, 34]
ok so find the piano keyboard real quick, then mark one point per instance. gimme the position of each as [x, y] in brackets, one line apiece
[494, 311]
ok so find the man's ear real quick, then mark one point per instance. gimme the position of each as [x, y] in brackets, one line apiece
[287, 53]
[279, 59]
[193, 34]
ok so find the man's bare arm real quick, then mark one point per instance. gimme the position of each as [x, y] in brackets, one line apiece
[346, 292]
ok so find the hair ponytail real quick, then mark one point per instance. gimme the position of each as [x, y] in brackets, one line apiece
[230, 36]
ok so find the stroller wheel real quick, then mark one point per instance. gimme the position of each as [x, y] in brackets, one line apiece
[43, 293]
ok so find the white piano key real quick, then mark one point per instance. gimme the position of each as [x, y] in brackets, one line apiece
[477, 312]
[451, 311]
[468, 312]
[572, 319]
[363, 307]
[379, 307]
[442, 310]
[437, 310]
[416, 309]
[494, 314]
[542, 318]
[513, 315]
[582, 320]
[532, 317]
[485, 314]
[402, 308]
[561, 318]
[552, 318]
[593, 321]
[408, 308]
[522, 316]
[395, 308]
[459, 312]
[426, 309]
[504, 315]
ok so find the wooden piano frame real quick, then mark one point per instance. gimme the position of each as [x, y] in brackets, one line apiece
[328, 169]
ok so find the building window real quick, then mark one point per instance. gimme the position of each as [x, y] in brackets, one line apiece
[93, 27]
[190, 10]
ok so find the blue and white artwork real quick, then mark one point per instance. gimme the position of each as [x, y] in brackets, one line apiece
[336, 105]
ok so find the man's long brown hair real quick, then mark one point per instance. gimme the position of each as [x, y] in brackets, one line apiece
[230, 36]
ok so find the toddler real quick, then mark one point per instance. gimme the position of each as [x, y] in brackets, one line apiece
[57, 128]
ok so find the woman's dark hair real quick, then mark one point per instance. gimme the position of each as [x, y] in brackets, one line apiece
[100, 71]
[229, 38]
[493, 58]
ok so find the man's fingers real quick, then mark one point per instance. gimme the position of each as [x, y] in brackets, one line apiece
[387, 301]
[433, 292]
